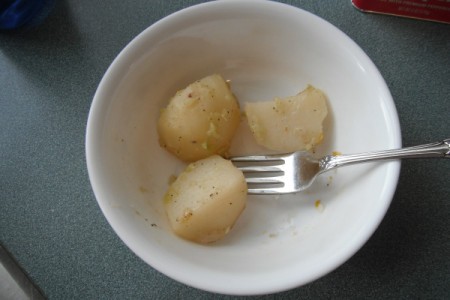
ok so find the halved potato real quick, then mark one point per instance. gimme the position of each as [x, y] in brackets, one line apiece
[206, 199]
[289, 124]
[200, 120]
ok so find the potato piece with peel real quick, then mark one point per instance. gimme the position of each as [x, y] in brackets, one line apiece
[289, 124]
[200, 120]
[206, 199]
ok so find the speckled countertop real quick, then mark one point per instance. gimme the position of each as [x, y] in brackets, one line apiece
[52, 225]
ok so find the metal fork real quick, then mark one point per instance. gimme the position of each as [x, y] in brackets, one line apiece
[294, 172]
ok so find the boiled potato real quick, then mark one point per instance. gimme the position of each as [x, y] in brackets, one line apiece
[206, 199]
[289, 124]
[200, 120]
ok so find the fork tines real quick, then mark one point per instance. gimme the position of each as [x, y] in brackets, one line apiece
[264, 174]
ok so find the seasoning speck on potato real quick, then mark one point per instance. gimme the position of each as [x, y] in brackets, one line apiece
[200, 120]
[206, 199]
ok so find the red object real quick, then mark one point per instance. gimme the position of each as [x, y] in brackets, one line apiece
[431, 10]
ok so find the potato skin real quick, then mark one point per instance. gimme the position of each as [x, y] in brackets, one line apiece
[289, 124]
[206, 199]
[200, 120]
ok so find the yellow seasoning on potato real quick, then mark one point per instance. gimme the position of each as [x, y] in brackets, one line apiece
[206, 199]
[289, 124]
[200, 120]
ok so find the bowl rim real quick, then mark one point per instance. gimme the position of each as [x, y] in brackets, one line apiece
[94, 125]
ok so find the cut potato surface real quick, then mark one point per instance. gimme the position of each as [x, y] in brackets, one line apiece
[200, 120]
[289, 124]
[206, 199]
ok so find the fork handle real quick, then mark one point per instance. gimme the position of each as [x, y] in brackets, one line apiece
[438, 149]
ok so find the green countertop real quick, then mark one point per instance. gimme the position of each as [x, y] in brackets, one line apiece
[51, 223]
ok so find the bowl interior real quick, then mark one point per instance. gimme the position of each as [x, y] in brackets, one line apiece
[266, 50]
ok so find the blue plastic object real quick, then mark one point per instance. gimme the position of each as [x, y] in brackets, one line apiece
[23, 13]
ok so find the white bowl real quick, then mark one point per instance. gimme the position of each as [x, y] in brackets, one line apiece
[266, 49]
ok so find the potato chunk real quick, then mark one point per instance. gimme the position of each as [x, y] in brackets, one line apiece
[206, 199]
[200, 120]
[289, 124]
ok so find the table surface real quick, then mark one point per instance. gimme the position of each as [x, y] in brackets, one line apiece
[50, 221]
